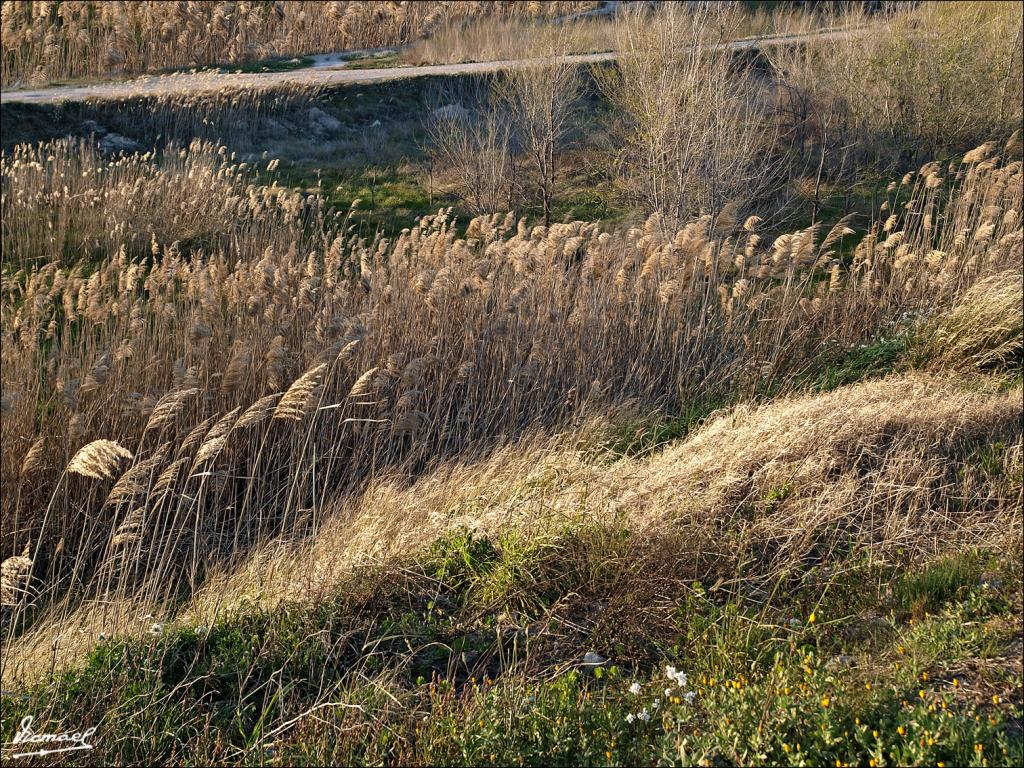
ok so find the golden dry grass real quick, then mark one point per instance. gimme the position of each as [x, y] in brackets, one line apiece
[984, 328]
[259, 365]
[386, 355]
[885, 470]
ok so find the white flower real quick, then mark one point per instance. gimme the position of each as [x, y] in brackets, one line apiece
[630, 717]
[156, 629]
[668, 692]
[656, 704]
[634, 688]
[677, 676]
[688, 696]
[201, 630]
[644, 715]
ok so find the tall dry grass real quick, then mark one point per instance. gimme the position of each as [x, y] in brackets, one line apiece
[46, 41]
[65, 203]
[926, 77]
[169, 410]
[508, 38]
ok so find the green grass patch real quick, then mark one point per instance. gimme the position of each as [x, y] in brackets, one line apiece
[640, 437]
[937, 583]
[276, 64]
[385, 199]
[384, 61]
[425, 664]
[861, 363]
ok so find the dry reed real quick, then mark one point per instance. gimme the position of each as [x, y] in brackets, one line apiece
[391, 355]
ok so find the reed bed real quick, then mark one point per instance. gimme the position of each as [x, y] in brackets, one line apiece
[169, 409]
[47, 41]
[65, 202]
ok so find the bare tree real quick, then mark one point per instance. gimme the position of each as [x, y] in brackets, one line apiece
[471, 138]
[695, 135]
[541, 98]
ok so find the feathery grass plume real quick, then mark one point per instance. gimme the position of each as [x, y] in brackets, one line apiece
[363, 383]
[407, 400]
[346, 352]
[168, 407]
[169, 478]
[301, 395]
[14, 579]
[217, 437]
[258, 411]
[135, 480]
[408, 423]
[236, 366]
[98, 459]
[129, 529]
[194, 438]
[1014, 145]
[276, 359]
[840, 230]
[34, 458]
[978, 154]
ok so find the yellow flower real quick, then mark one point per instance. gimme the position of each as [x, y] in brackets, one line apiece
[901, 730]
[979, 748]
[995, 698]
[872, 762]
[875, 734]
[810, 619]
[825, 701]
[608, 754]
[924, 675]
[920, 694]
[785, 747]
[867, 686]
[956, 683]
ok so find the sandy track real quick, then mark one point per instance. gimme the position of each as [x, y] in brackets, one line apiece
[327, 70]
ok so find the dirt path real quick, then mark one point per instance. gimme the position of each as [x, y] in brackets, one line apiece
[328, 70]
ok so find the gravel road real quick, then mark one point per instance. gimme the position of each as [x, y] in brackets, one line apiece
[328, 70]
